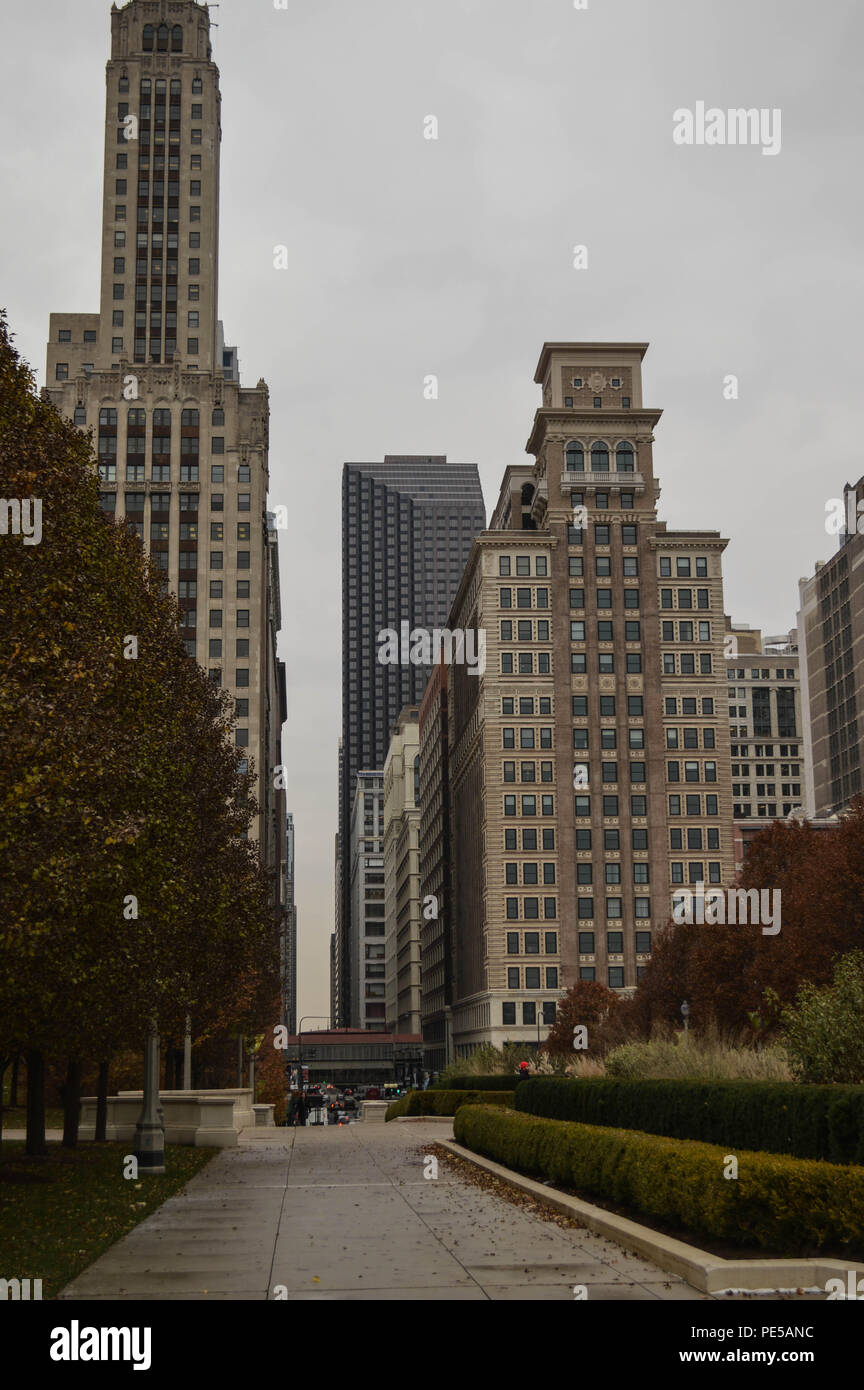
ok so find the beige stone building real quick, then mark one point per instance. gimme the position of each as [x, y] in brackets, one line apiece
[769, 770]
[181, 445]
[402, 874]
[589, 765]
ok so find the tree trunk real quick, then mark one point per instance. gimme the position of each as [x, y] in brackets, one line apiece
[2, 1075]
[13, 1084]
[71, 1103]
[36, 1145]
[101, 1105]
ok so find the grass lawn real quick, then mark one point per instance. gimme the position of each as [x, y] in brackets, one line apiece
[59, 1213]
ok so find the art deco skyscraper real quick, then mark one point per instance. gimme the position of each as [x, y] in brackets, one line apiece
[590, 775]
[407, 528]
[182, 447]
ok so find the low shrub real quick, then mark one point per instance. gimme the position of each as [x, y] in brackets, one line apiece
[818, 1122]
[443, 1102]
[673, 1059]
[785, 1205]
[497, 1082]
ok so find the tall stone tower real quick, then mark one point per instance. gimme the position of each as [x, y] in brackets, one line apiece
[182, 446]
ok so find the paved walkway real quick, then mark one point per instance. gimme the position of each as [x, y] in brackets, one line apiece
[346, 1213]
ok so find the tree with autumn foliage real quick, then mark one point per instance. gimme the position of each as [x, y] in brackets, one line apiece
[737, 978]
[593, 1006]
[128, 889]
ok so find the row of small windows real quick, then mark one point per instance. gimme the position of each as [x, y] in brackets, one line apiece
[574, 457]
[524, 598]
[526, 704]
[525, 631]
[609, 772]
[531, 975]
[529, 943]
[529, 805]
[160, 531]
[523, 564]
[522, 664]
[529, 1013]
[614, 974]
[137, 420]
[691, 772]
[527, 738]
[160, 36]
[530, 909]
[609, 738]
[161, 502]
[530, 873]
[527, 772]
[603, 566]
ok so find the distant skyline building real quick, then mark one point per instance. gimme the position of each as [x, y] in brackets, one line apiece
[831, 639]
[407, 527]
[182, 447]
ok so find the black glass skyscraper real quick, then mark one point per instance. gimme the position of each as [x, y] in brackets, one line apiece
[407, 528]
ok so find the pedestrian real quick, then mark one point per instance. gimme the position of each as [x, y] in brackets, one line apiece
[301, 1109]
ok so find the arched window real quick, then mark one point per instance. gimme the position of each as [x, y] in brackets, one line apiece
[624, 457]
[148, 38]
[527, 494]
[162, 38]
[197, 86]
[177, 39]
[176, 86]
[575, 458]
[145, 86]
[600, 457]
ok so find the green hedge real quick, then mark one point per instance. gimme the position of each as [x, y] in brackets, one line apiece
[443, 1102]
[819, 1122]
[785, 1205]
[500, 1082]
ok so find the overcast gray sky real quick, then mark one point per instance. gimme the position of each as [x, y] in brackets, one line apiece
[455, 257]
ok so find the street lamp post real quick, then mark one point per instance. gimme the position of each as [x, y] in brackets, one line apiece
[149, 1134]
[685, 1014]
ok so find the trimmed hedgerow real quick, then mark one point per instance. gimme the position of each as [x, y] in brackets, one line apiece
[819, 1122]
[785, 1205]
[497, 1082]
[443, 1102]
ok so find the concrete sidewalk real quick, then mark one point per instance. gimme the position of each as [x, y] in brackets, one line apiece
[346, 1213]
